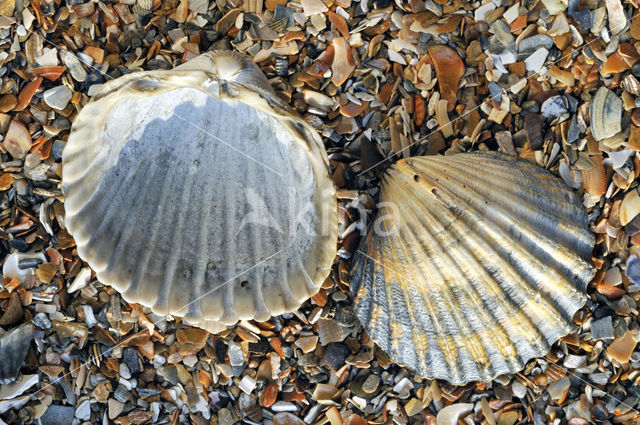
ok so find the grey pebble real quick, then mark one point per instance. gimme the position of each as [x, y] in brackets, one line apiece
[633, 269]
[602, 329]
[74, 66]
[534, 42]
[57, 415]
[58, 97]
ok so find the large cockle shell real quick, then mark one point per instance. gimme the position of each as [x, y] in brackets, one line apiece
[475, 265]
[197, 193]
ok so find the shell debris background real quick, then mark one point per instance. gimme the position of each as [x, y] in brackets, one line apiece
[97, 356]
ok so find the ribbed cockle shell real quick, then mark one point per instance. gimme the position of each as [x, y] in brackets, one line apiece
[197, 193]
[475, 265]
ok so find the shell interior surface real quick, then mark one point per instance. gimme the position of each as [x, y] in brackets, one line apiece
[475, 265]
[194, 193]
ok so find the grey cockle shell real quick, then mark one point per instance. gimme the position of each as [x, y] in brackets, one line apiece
[475, 265]
[14, 346]
[196, 192]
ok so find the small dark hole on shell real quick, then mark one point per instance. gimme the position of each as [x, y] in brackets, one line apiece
[244, 284]
[416, 177]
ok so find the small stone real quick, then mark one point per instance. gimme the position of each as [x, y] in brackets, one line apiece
[335, 355]
[199, 6]
[635, 69]
[225, 417]
[307, 343]
[581, 15]
[558, 390]
[599, 411]
[534, 42]
[553, 107]
[631, 84]
[57, 415]
[630, 207]
[83, 410]
[190, 360]
[617, 18]
[42, 321]
[605, 114]
[449, 69]
[413, 407]
[632, 269]
[102, 391]
[285, 418]
[502, 40]
[370, 385]
[82, 278]
[74, 66]
[312, 7]
[236, 358]
[192, 340]
[247, 384]
[284, 406]
[13, 313]
[504, 140]
[450, 414]
[495, 91]
[555, 6]
[17, 141]
[481, 11]
[536, 60]
[7, 7]
[8, 102]
[533, 129]
[124, 371]
[70, 329]
[622, 348]
[518, 389]
[270, 395]
[58, 97]
[47, 271]
[508, 418]
[343, 63]
[115, 408]
[571, 361]
[131, 359]
[602, 329]
[323, 392]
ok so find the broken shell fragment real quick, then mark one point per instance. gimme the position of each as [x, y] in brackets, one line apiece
[197, 193]
[476, 264]
[605, 114]
[449, 70]
[13, 350]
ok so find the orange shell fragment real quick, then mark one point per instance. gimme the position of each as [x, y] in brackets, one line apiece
[51, 73]
[449, 68]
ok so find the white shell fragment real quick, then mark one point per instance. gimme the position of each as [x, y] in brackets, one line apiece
[605, 114]
[476, 264]
[197, 193]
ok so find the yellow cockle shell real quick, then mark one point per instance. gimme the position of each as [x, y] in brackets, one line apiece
[475, 265]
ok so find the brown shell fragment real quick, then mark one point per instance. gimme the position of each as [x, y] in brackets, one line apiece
[476, 265]
[51, 73]
[17, 141]
[594, 180]
[449, 69]
[343, 63]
